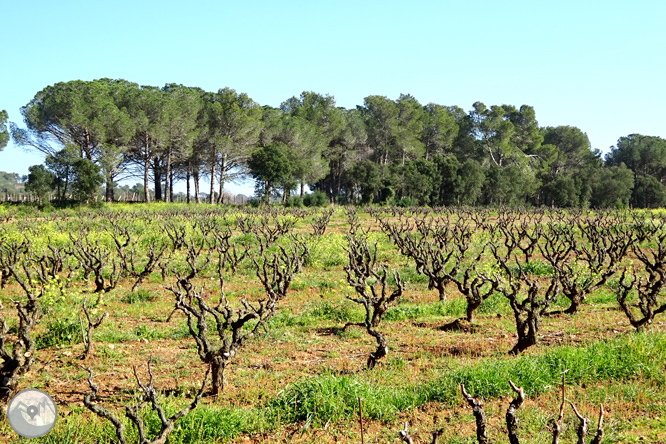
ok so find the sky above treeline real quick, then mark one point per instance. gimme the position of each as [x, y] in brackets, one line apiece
[598, 66]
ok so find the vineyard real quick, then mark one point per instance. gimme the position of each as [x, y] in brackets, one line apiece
[182, 324]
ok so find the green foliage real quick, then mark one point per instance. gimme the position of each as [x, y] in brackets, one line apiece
[447, 190]
[40, 181]
[294, 202]
[86, 180]
[439, 129]
[453, 307]
[565, 191]
[406, 202]
[228, 129]
[420, 182]
[534, 267]
[87, 115]
[316, 199]
[624, 358]
[612, 187]
[139, 296]
[366, 175]
[148, 332]
[572, 147]
[510, 185]
[330, 398]
[58, 299]
[648, 192]
[61, 308]
[328, 251]
[340, 313]
[385, 151]
[9, 182]
[270, 165]
[61, 164]
[644, 155]
[495, 303]
[470, 185]
[381, 118]
[59, 331]
[4, 133]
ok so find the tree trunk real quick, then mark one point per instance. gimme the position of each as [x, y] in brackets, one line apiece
[64, 189]
[158, 183]
[223, 166]
[212, 184]
[146, 191]
[471, 308]
[526, 338]
[576, 299]
[522, 344]
[171, 186]
[187, 175]
[196, 186]
[217, 368]
[167, 179]
[109, 188]
[9, 387]
[440, 286]
[338, 181]
[382, 348]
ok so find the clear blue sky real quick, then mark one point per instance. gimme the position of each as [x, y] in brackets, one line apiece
[597, 65]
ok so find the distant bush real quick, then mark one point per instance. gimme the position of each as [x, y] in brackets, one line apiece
[254, 202]
[294, 202]
[97, 204]
[406, 202]
[316, 199]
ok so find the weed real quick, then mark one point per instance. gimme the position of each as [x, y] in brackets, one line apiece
[450, 307]
[495, 303]
[534, 268]
[139, 296]
[59, 331]
[344, 312]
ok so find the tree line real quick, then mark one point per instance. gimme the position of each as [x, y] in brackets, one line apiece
[385, 151]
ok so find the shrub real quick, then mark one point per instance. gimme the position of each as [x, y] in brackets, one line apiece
[294, 202]
[59, 331]
[316, 199]
[406, 202]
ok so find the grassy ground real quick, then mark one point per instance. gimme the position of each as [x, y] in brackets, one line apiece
[301, 379]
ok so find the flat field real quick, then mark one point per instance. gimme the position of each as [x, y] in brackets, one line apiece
[301, 377]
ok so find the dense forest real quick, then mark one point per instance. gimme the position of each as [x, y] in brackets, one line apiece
[385, 151]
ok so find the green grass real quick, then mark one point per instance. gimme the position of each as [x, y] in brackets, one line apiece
[636, 358]
[451, 307]
[59, 331]
[534, 267]
[495, 303]
[628, 358]
[138, 296]
[115, 333]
